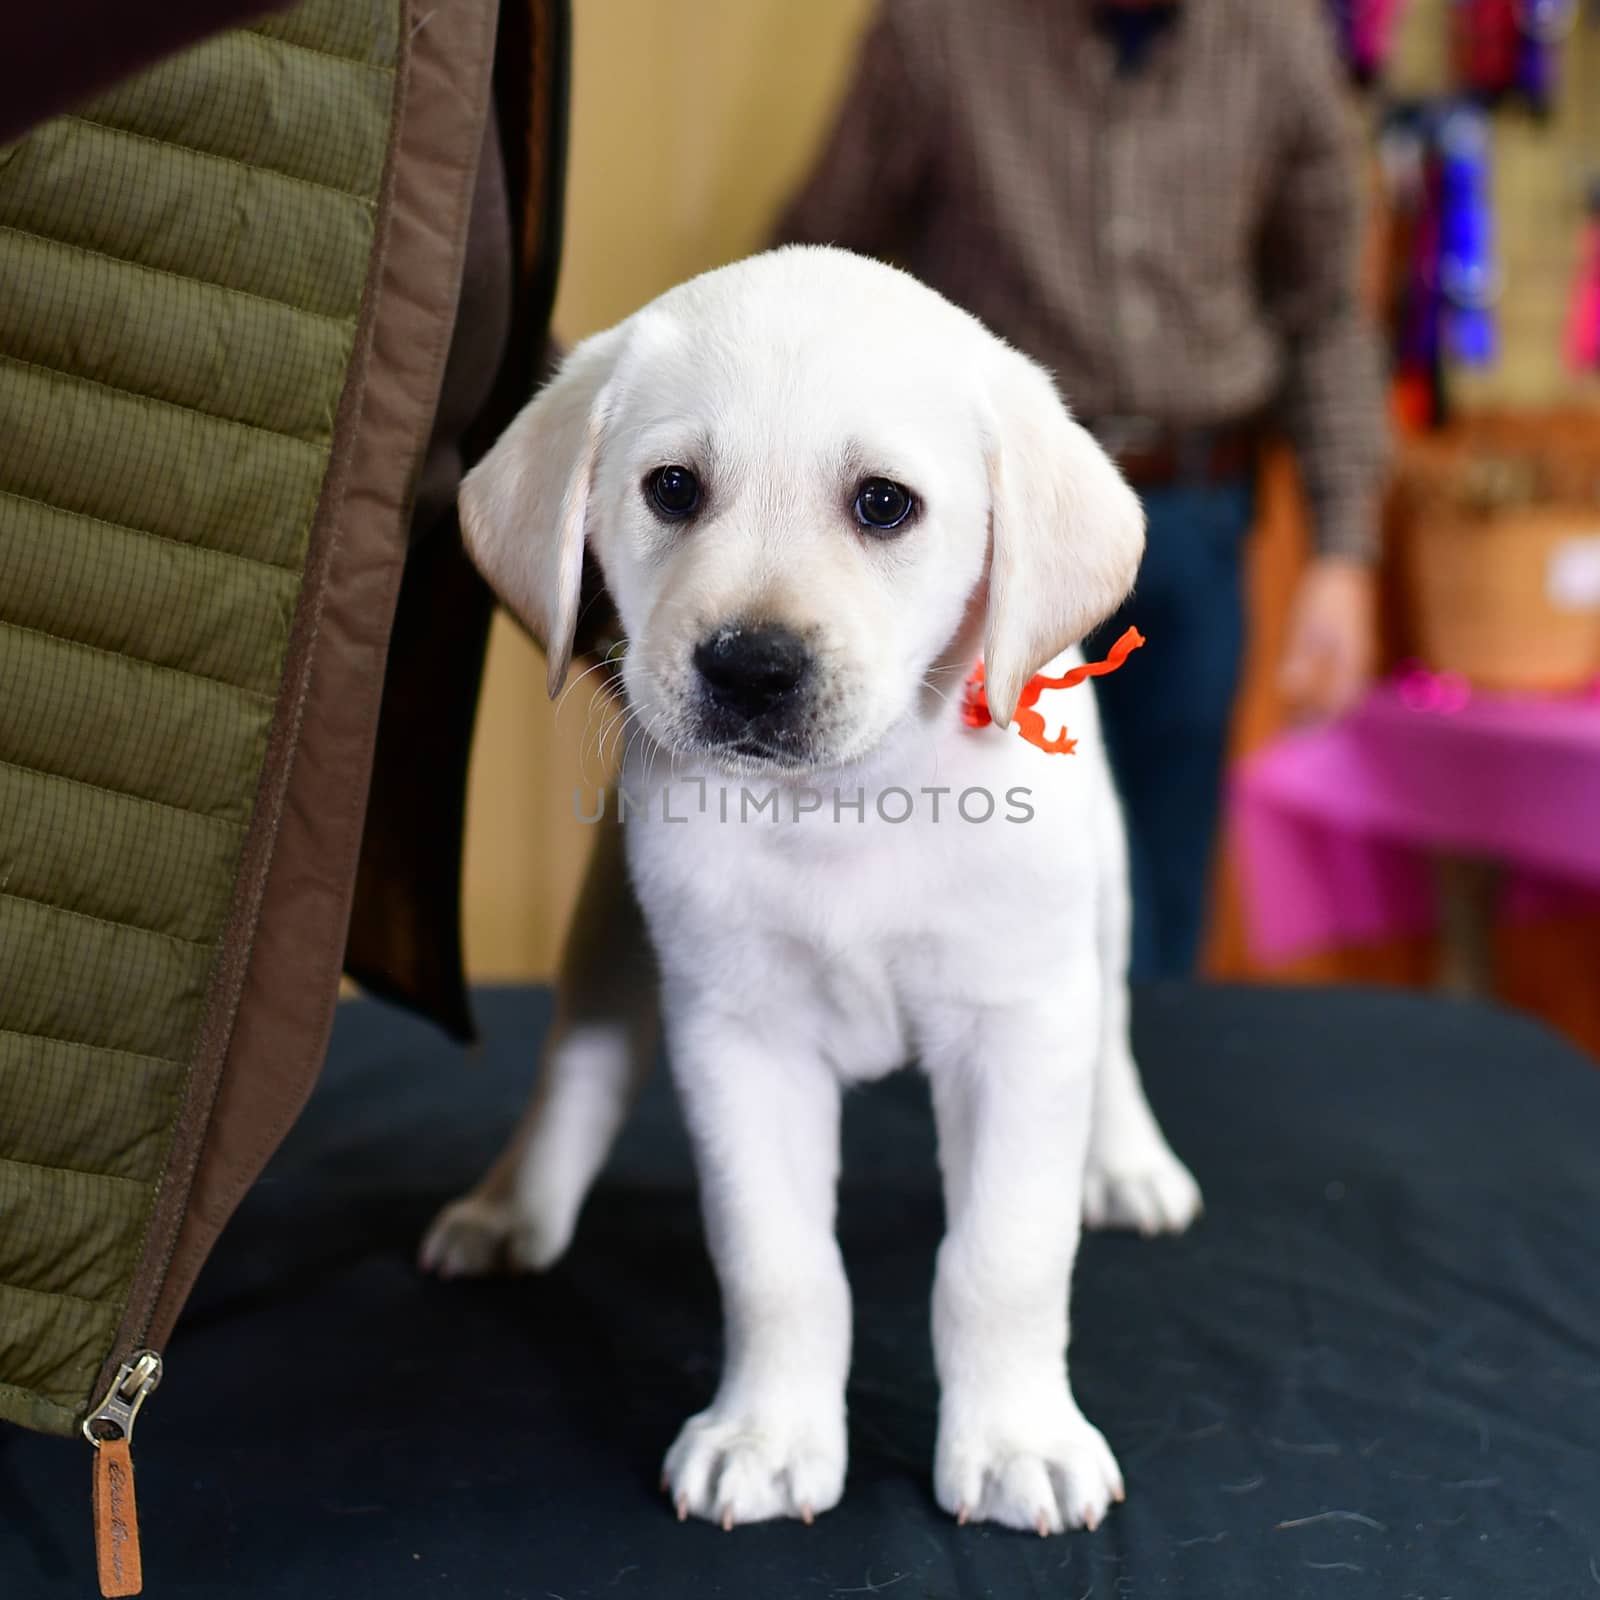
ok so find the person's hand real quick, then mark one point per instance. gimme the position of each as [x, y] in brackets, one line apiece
[1328, 659]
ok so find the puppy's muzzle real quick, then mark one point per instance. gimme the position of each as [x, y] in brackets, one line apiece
[753, 681]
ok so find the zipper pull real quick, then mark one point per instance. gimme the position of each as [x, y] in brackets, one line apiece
[109, 1428]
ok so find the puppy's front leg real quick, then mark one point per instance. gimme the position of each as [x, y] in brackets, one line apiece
[1013, 1110]
[764, 1119]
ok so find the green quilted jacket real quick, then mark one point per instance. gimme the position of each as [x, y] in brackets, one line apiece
[258, 307]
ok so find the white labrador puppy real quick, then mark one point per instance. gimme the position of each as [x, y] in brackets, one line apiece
[815, 490]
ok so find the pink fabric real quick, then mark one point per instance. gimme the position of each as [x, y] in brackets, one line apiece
[1335, 827]
[1583, 323]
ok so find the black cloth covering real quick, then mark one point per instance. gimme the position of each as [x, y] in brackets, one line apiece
[1372, 1370]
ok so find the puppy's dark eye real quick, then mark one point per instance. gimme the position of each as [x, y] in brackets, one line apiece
[881, 505]
[674, 491]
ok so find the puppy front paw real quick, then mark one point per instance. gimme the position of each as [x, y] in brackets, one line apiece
[1045, 1470]
[747, 1466]
[478, 1235]
[1133, 1180]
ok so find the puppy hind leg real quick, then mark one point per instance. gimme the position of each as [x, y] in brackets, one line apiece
[522, 1213]
[1132, 1180]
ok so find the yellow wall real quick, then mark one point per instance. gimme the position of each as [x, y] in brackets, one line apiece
[690, 124]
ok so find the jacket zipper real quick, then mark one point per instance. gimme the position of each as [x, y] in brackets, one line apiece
[109, 1428]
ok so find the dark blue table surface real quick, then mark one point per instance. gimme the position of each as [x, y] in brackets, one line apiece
[1372, 1370]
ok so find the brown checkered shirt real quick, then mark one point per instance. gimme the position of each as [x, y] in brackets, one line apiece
[1180, 243]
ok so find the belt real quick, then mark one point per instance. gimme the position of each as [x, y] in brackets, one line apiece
[1152, 453]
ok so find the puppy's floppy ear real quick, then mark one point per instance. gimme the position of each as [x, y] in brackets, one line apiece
[1066, 532]
[525, 504]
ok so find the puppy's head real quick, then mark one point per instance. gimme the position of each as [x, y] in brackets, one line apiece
[814, 488]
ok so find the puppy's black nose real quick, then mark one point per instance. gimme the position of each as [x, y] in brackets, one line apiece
[748, 671]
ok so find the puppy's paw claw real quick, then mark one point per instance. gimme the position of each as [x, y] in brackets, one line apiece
[1138, 1183]
[474, 1237]
[1039, 1485]
[749, 1468]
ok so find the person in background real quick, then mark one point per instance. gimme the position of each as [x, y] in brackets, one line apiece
[1160, 201]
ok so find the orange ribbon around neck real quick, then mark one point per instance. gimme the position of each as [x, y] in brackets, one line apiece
[1030, 721]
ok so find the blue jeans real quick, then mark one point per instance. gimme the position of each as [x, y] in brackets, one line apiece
[1166, 713]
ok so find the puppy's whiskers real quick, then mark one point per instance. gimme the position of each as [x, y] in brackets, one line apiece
[616, 731]
[647, 731]
[616, 725]
[607, 660]
[588, 738]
